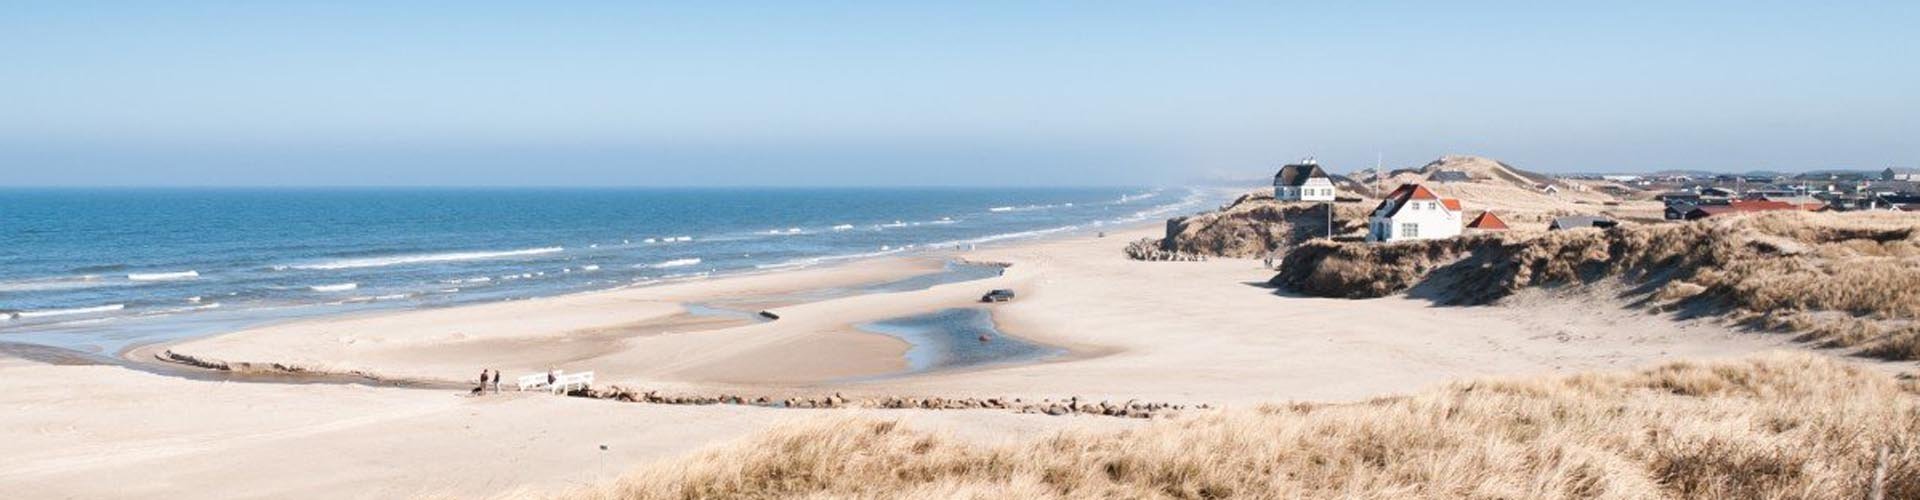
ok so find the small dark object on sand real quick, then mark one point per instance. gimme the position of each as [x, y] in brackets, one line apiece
[1000, 295]
[769, 315]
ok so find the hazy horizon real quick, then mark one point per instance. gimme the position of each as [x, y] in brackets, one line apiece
[484, 94]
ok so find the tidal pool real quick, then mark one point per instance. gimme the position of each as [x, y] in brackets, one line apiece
[957, 338]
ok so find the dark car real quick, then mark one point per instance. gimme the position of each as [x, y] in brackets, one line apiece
[1000, 295]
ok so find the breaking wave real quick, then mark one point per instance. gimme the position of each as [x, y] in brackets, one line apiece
[674, 263]
[65, 312]
[50, 284]
[395, 260]
[334, 288]
[182, 275]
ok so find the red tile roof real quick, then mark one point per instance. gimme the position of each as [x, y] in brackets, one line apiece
[1409, 192]
[1487, 221]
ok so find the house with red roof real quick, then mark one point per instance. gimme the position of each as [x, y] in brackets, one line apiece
[1487, 221]
[1413, 212]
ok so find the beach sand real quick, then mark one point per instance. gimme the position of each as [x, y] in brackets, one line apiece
[1189, 332]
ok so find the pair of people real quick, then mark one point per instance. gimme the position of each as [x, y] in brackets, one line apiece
[488, 382]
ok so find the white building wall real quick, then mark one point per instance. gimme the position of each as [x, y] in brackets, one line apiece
[1315, 189]
[1429, 220]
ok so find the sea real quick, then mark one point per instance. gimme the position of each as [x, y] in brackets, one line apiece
[99, 270]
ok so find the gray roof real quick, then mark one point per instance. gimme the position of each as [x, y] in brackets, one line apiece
[1573, 221]
[1297, 175]
[1903, 170]
[1450, 176]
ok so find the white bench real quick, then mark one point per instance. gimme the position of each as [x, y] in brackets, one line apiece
[534, 381]
[569, 381]
[562, 381]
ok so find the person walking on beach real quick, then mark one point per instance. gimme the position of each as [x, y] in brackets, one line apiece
[483, 381]
[496, 381]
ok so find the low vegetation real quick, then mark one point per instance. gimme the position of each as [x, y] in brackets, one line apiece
[1253, 226]
[1846, 280]
[1770, 427]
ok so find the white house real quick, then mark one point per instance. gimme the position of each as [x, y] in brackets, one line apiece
[1412, 213]
[1303, 181]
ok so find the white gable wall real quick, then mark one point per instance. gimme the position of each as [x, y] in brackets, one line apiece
[1423, 219]
[1315, 189]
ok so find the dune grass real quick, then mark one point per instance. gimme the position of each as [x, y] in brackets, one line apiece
[1774, 426]
[1846, 280]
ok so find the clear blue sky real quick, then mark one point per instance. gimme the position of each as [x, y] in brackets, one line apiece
[851, 93]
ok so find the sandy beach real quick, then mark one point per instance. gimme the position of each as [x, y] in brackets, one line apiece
[1185, 332]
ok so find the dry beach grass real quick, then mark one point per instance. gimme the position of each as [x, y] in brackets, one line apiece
[1845, 280]
[1772, 426]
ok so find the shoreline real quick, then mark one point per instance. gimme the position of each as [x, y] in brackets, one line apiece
[734, 289]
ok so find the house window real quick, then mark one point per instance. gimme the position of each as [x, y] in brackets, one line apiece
[1409, 230]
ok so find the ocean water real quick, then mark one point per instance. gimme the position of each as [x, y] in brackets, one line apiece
[98, 270]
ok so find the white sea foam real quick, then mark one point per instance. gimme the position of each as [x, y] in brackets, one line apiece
[68, 312]
[50, 284]
[812, 261]
[396, 296]
[1008, 236]
[182, 275]
[674, 263]
[177, 310]
[843, 227]
[1025, 208]
[394, 260]
[334, 288]
[590, 268]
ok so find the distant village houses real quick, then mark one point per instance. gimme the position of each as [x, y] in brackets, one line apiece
[1747, 206]
[1304, 181]
[1900, 174]
[1412, 212]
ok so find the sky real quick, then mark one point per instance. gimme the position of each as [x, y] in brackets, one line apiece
[479, 93]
